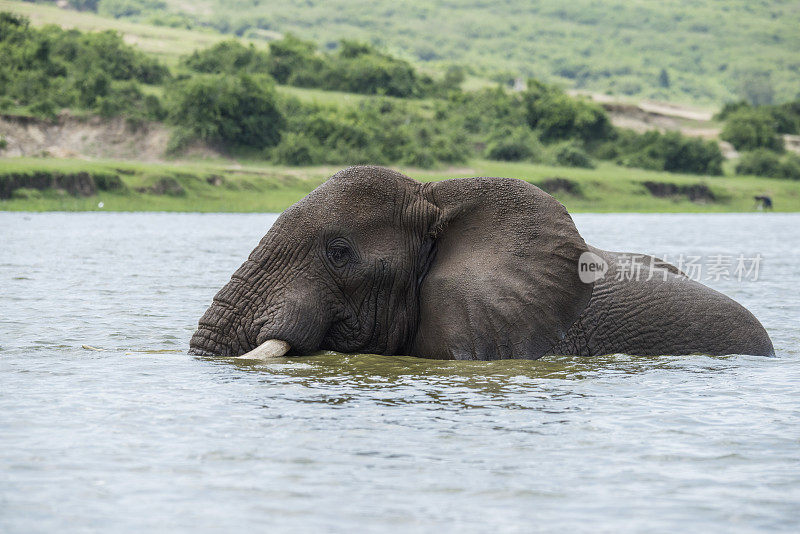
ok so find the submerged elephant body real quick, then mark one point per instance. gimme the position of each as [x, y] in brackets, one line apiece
[474, 268]
[661, 311]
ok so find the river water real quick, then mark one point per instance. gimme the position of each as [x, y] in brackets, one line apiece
[143, 436]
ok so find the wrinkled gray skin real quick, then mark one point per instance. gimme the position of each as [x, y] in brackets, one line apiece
[476, 268]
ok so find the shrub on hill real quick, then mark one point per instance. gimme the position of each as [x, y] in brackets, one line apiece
[558, 116]
[359, 68]
[513, 126]
[514, 144]
[49, 68]
[485, 112]
[730, 108]
[79, 5]
[570, 154]
[380, 131]
[234, 110]
[124, 8]
[291, 55]
[355, 68]
[229, 56]
[764, 162]
[787, 116]
[750, 128]
[671, 152]
[790, 166]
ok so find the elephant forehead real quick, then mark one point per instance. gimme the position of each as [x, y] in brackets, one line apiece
[366, 175]
[359, 205]
[356, 196]
[366, 186]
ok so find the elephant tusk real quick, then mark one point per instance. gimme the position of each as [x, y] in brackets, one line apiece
[271, 348]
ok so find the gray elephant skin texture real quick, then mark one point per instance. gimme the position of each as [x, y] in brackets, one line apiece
[372, 261]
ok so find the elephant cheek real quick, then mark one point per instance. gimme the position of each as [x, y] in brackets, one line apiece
[297, 321]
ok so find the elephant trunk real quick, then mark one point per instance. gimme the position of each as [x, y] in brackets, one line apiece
[251, 324]
[221, 333]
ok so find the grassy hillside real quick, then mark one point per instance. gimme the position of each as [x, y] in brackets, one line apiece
[212, 187]
[709, 50]
[168, 44]
[701, 52]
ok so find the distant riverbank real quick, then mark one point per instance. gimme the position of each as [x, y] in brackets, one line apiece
[50, 184]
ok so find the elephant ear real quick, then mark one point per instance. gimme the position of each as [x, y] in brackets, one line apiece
[503, 281]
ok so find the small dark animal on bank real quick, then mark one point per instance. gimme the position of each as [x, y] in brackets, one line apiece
[763, 202]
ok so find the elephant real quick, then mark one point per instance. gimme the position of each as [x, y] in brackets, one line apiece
[372, 261]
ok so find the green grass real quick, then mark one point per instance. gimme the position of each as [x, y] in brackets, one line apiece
[259, 188]
[341, 99]
[243, 189]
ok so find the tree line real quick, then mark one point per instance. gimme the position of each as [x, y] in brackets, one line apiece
[226, 95]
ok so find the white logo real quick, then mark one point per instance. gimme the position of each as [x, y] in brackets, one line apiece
[591, 267]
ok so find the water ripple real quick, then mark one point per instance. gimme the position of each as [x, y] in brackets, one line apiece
[143, 436]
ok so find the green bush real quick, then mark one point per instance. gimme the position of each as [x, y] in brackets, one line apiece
[454, 76]
[49, 68]
[764, 162]
[514, 144]
[570, 154]
[730, 108]
[236, 110]
[356, 68]
[371, 73]
[289, 55]
[127, 8]
[84, 5]
[297, 149]
[751, 128]
[671, 152]
[26, 193]
[228, 57]
[378, 132]
[173, 20]
[108, 182]
[787, 117]
[90, 86]
[484, 113]
[558, 116]
[790, 166]
[759, 162]
[419, 157]
[331, 135]
[44, 108]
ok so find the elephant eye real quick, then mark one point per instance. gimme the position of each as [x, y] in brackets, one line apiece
[339, 253]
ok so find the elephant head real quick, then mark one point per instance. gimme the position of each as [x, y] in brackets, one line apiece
[372, 261]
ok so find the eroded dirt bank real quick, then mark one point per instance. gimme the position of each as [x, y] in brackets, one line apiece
[90, 137]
